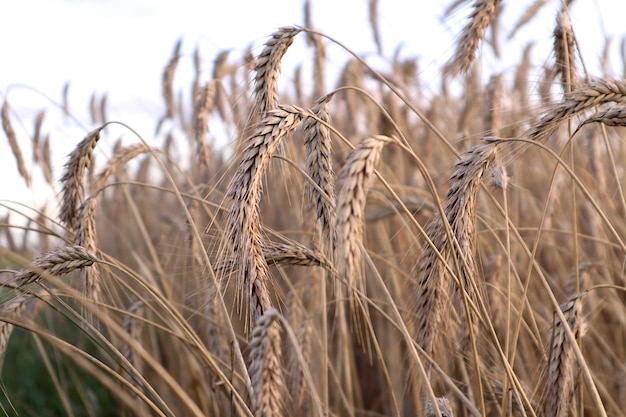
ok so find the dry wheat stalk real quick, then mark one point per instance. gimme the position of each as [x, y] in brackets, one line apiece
[353, 181]
[245, 193]
[460, 212]
[15, 148]
[57, 262]
[584, 98]
[73, 179]
[444, 408]
[472, 35]
[565, 51]
[267, 69]
[562, 367]
[319, 165]
[266, 367]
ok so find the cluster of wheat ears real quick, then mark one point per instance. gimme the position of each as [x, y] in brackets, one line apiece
[372, 249]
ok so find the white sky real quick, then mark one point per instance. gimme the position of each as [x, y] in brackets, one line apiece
[121, 46]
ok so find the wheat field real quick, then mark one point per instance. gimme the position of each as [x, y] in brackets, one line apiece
[371, 247]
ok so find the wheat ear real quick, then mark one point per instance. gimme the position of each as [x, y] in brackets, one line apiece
[57, 262]
[265, 366]
[267, 69]
[457, 249]
[319, 165]
[73, 179]
[15, 148]
[352, 186]
[472, 35]
[561, 379]
[11, 311]
[565, 51]
[203, 109]
[584, 98]
[133, 325]
[86, 236]
[245, 193]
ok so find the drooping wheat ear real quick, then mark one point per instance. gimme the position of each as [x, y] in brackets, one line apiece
[319, 166]
[24, 305]
[297, 384]
[444, 408]
[267, 68]
[530, 12]
[265, 366]
[353, 181]
[456, 250]
[562, 368]
[584, 98]
[117, 162]
[133, 325]
[521, 74]
[86, 237]
[612, 116]
[292, 253]
[492, 120]
[167, 82]
[15, 148]
[73, 179]
[203, 109]
[245, 193]
[57, 262]
[472, 35]
[565, 51]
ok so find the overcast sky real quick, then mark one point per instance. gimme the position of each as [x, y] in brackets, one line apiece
[121, 46]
